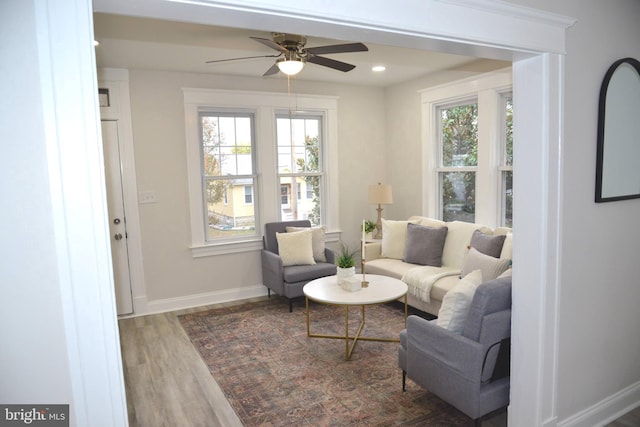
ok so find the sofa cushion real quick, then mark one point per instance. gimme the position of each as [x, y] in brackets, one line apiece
[455, 305]
[429, 222]
[458, 239]
[443, 285]
[488, 244]
[305, 273]
[295, 248]
[424, 245]
[317, 241]
[394, 237]
[395, 268]
[491, 267]
[507, 247]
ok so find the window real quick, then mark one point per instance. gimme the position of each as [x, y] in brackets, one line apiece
[299, 165]
[458, 161]
[227, 169]
[506, 168]
[248, 194]
[467, 150]
[250, 133]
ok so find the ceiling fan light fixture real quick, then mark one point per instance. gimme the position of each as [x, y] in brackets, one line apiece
[290, 67]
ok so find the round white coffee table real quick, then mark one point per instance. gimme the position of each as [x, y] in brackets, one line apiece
[380, 289]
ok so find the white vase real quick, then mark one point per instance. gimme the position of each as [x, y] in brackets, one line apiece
[347, 279]
[345, 273]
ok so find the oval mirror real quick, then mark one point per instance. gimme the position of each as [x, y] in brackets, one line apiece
[618, 156]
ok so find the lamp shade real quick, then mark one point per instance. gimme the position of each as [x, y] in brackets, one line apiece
[380, 194]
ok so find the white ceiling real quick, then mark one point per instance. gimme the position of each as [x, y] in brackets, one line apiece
[144, 43]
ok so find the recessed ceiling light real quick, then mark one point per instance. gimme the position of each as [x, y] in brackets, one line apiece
[378, 68]
[96, 42]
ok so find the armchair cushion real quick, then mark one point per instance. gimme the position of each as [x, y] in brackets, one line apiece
[317, 241]
[456, 303]
[295, 248]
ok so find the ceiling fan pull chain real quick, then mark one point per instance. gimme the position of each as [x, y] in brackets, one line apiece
[289, 93]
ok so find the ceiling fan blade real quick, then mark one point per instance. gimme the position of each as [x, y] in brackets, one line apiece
[244, 57]
[271, 71]
[331, 63]
[337, 48]
[270, 43]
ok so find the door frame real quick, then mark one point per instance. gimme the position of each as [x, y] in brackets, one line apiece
[116, 80]
[533, 39]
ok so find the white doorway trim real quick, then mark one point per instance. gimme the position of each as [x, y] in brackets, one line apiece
[533, 39]
[117, 81]
[75, 166]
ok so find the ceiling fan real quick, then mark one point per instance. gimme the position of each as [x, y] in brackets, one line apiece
[293, 55]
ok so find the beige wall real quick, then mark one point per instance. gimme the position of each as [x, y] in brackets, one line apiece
[160, 151]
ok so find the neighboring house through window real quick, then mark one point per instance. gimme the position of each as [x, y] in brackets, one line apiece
[227, 168]
[240, 177]
[299, 143]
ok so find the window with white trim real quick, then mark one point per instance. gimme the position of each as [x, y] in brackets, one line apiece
[299, 142]
[467, 150]
[228, 174]
[458, 160]
[264, 184]
[506, 166]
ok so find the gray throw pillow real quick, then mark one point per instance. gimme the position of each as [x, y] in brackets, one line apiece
[424, 245]
[487, 244]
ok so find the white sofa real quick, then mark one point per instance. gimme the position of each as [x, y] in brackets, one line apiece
[428, 284]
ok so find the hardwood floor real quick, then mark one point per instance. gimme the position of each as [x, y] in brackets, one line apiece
[168, 384]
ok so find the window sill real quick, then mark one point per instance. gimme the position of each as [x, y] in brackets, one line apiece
[255, 244]
[214, 249]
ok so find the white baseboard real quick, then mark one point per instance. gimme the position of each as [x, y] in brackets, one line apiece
[188, 301]
[607, 409]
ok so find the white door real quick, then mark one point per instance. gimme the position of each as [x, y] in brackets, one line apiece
[117, 218]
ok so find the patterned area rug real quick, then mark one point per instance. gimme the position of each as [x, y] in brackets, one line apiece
[274, 375]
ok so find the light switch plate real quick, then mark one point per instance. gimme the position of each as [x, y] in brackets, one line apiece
[146, 197]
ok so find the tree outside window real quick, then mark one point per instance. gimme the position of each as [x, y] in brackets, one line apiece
[507, 169]
[459, 161]
[299, 165]
[228, 174]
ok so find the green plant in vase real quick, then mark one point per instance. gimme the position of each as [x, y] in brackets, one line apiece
[345, 257]
[369, 226]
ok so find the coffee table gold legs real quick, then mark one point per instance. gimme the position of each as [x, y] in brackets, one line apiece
[349, 346]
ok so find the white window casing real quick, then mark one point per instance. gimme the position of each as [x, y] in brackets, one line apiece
[265, 106]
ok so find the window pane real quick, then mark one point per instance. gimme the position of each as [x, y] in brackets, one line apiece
[299, 157]
[507, 198]
[293, 208]
[229, 216]
[459, 133]
[509, 130]
[458, 196]
[228, 175]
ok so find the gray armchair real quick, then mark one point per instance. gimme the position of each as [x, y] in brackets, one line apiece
[469, 371]
[289, 281]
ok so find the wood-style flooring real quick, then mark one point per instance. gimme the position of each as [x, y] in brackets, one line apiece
[168, 384]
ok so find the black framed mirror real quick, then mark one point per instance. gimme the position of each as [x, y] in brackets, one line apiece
[618, 155]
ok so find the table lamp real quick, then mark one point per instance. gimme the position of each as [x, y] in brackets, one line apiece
[380, 194]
